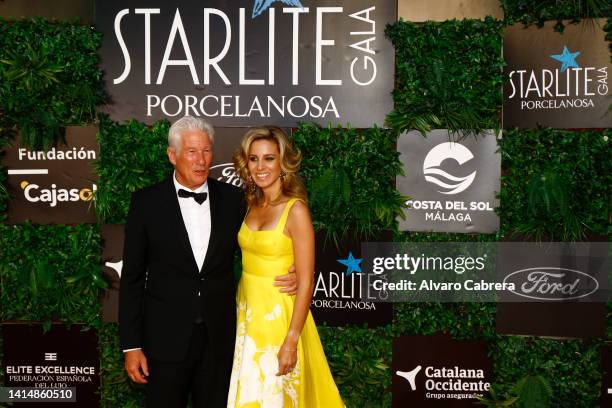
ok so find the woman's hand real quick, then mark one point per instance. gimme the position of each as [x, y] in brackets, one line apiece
[287, 359]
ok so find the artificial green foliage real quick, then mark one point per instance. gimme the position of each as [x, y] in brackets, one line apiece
[444, 237]
[533, 391]
[570, 367]
[117, 390]
[132, 156]
[539, 11]
[360, 361]
[49, 78]
[545, 171]
[350, 177]
[462, 320]
[4, 195]
[50, 273]
[448, 75]
[497, 400]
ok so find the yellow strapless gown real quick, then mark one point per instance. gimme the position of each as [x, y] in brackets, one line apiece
[264, 315]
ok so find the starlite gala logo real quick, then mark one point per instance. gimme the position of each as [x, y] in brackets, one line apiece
[262, 5]
[348, 289]
[447, 183]
[568, 86]
[360, 59]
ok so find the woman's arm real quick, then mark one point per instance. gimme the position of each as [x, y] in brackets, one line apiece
[299, 228]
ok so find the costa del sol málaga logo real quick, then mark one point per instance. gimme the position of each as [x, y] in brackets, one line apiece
[447, 183]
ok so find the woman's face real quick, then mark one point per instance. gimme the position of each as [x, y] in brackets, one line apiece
[264, 163]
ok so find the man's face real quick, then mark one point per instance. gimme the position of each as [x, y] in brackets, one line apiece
[193, 159]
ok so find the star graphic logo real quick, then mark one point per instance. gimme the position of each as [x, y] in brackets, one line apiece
[351, 263]
[567, 59]
[262, 5]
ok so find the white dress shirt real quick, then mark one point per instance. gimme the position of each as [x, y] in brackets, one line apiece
[196, 218]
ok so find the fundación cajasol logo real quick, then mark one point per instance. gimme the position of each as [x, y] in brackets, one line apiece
[447, 183]
[54, 195]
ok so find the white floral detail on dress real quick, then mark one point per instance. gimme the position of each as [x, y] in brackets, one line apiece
[274, 314]
[258, 380]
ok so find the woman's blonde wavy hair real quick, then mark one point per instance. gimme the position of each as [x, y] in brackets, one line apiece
[290, 159]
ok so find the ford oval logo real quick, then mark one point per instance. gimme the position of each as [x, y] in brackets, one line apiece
[225, 172]
[552, 283]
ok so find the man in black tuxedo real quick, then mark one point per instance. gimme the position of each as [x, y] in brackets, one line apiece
[177, 311]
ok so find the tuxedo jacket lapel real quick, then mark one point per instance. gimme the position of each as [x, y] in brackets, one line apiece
[177, 224]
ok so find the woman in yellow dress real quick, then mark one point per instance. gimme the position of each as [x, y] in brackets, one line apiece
[278, 357]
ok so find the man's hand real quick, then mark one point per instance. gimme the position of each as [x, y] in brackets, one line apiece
[136, 366]
[288, 282]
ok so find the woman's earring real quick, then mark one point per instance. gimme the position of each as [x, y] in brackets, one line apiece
[283, 175]
[251, 185]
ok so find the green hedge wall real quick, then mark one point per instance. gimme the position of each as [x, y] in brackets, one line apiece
[352, 189]
[538, 11]
[50, 78]
[545, 170]
[447, 75]
[132, 156]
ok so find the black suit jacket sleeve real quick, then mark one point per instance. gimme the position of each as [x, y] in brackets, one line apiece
[133, 278]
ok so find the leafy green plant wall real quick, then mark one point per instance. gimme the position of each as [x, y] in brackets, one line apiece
[447, 75]
[538, 11]
[50, 78]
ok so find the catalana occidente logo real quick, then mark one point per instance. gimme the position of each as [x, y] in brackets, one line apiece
[448, 382]
[570, 85]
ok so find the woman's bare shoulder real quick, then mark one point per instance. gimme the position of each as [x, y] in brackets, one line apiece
[299, 215]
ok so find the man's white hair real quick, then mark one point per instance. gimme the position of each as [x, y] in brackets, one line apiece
[188, 123]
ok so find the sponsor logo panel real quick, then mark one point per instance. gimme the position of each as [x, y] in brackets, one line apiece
[560, 288]
[557, 80]
[247, 62]
[341, 291]
[437, 371]
[54, 186]
[61, 358]
[451, 182]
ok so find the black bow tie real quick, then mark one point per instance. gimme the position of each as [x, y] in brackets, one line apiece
[199, 197]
